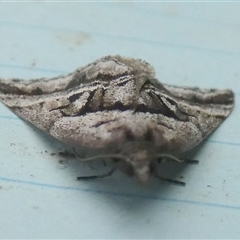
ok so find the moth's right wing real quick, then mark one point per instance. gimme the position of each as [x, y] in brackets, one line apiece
[206, 108]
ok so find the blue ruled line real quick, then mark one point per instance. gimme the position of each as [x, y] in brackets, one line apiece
[9, 117]
[120, 38]
[32, 68]
[118, 194]
[222, 142]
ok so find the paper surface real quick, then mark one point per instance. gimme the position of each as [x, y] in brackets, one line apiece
[191, 44]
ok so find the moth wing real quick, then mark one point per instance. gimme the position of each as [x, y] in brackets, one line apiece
[206, 108]
[40, 101]
[34, 109]
[186, 117]
[181, 119]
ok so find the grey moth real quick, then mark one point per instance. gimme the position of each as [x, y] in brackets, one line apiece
[115, 108]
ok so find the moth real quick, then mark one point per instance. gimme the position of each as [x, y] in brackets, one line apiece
[115, 108]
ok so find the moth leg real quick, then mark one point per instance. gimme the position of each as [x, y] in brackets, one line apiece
[104, 163]
[108, 174]
[175, 182]
[98, 156]
[190, 161]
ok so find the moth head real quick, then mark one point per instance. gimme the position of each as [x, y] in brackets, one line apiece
[136, 161]
[141, 165]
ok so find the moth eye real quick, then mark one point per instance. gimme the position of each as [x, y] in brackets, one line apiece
[152, 167]
[129, 135]
[124, 167]
[149, 135]
[127, 169]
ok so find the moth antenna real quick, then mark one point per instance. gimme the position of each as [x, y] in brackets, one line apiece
[99, 156]
[163, 155]
[191, 161]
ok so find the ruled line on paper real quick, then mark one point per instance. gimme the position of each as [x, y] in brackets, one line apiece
[123, 38]
[118, 194]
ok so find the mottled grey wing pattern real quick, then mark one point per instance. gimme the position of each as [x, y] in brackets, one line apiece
[206, 108]
[115, 100]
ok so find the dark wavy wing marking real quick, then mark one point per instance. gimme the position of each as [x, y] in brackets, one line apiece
[196, 95]
[36, 86]
[43, 110]
[205, 108]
